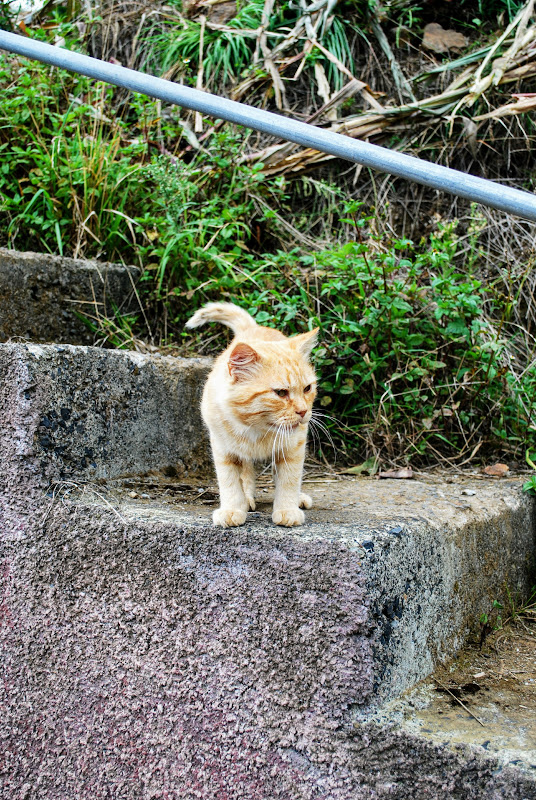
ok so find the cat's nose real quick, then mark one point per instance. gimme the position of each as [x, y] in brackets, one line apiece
[301, 413]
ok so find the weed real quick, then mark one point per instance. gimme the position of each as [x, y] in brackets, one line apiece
[68, 178]
[530, 485]
[522, 609]
[178, 45]
[494, 618]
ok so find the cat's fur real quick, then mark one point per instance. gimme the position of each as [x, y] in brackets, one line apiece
[249, 420]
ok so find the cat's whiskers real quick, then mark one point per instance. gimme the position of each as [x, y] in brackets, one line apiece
[274, 447]
[314, 434]
[316, 423]
[285, 442]
[317, 414]
[320, 425]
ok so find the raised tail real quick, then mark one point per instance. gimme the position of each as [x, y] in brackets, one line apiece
[227, 313]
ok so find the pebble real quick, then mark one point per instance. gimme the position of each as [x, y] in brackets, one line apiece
[468, 492]
[133, 494]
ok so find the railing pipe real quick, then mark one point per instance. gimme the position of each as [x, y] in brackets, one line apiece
[479, 190]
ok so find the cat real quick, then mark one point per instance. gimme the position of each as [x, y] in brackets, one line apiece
[257, 403]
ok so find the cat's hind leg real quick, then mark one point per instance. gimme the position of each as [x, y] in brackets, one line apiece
[247, 476]
[305, 500]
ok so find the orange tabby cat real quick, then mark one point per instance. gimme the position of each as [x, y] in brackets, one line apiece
[257, 404]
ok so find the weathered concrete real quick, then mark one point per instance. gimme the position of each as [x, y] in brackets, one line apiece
[149, 656]
[432, 559]
[499, 705]
[40, 295]
[81, 413]
[146, 654]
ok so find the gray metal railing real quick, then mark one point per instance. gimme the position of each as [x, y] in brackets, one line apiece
[479, 190]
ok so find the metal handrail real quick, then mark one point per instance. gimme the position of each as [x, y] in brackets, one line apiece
[479, 190]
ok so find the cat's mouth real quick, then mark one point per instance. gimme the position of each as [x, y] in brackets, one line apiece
[294, 425]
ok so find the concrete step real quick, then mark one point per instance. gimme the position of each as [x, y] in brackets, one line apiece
[148, 654]
[41, 296]
[81, 413]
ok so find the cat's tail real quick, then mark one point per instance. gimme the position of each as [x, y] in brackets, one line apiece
[227, 313]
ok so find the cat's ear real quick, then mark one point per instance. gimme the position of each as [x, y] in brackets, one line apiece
[243, 362]
[304, 342]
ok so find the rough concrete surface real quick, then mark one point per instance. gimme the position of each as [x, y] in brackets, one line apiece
[485, 696]
[148, 656]
[74, 413]
[145, 654]
[434, 559]
[40, 293]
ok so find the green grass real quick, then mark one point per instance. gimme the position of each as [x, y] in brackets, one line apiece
[174, 49]
[68, 179]
[225, 55]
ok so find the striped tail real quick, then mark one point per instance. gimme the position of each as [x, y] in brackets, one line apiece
[227, 313]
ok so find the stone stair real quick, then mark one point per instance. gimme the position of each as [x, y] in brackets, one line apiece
[45, 298]
[146, 654]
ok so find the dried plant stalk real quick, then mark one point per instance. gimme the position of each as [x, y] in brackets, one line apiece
[518, 63]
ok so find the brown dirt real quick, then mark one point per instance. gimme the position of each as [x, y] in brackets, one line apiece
[504, 671]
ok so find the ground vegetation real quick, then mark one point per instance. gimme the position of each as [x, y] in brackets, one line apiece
[426, 303]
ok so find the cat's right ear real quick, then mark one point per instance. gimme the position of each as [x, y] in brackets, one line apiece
[242, 362]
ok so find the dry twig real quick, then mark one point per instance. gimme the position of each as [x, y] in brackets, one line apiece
[446, 689]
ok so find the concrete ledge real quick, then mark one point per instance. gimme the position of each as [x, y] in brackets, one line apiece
[432, 560]
[148, 655]
[78, 413]
[39, 295]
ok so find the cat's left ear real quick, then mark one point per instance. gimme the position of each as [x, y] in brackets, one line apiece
[304, 342]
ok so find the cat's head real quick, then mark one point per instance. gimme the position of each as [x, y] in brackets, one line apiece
[273, 384]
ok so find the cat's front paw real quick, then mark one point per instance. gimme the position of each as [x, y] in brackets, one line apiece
[305, 501]
[228, 517]
[289, 517]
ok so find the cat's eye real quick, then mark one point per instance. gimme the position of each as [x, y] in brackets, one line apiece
[281, 392]
[307, 389]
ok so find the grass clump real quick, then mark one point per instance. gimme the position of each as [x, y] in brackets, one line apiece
[68, 173]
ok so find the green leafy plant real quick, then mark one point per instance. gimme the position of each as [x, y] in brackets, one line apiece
[494, 618]
[530, 485]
